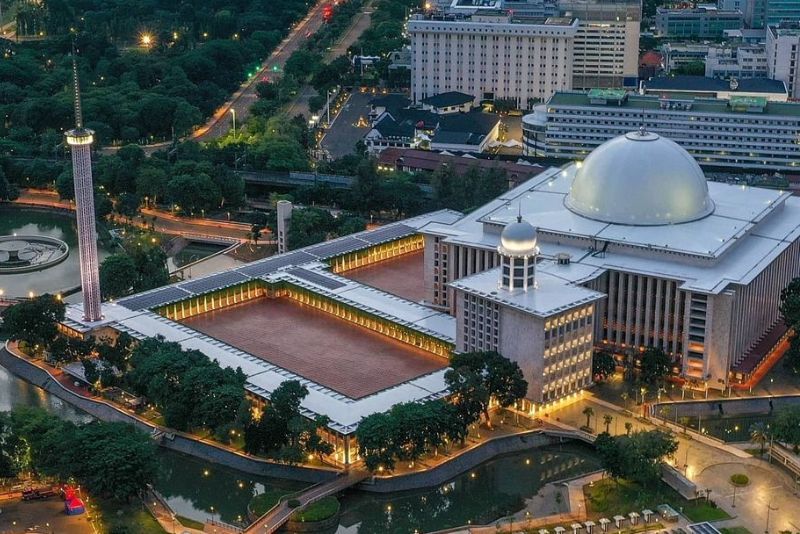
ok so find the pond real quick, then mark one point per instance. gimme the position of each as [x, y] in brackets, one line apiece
[199, 490]
[51, 223]
[493, 490]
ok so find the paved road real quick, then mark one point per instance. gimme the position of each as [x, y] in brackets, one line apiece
[341, 138]
[360, 23]
[222, 119]
[164, 222]
[710, 467]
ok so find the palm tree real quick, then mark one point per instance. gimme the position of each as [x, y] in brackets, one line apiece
[625, 398]
[607, 421]
[759, 434]
[628, 427]
[588, 412]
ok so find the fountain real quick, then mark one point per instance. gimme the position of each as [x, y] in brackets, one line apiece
[23, 254]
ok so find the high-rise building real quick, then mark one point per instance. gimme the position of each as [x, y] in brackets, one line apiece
[80, 141]
[491, 55]
[705, 22]
[762, 13]
[783, 45]
[606, 49]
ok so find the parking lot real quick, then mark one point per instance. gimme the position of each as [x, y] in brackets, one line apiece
[341, 138]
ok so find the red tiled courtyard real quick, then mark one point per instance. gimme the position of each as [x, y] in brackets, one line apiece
[401, 276]
[341, 356]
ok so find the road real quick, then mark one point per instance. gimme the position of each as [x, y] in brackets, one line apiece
[239, 103]
[709, 464]
[164, 222]
[361, 22]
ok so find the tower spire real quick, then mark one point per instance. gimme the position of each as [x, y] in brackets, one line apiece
[76, 86]
[80, 140]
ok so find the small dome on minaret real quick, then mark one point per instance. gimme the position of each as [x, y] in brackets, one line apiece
[518, 250]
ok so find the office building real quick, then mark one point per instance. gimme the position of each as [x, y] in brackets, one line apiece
[783, 47]
[745, 61]
[738, 132]
[491, 56]
[705, 22]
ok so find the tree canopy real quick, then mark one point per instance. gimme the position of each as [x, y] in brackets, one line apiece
[34, 321]
[476, 377]
[636, 456]
[655, 365]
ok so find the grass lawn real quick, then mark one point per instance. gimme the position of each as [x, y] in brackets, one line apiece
[191, 523]
[734, 530]
[320, 510]
[262, 502]
[608, 498]
[132, 517]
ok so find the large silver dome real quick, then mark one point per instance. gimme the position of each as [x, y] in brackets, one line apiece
[640, 178]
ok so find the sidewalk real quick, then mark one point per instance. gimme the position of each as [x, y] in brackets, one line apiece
[709, 464]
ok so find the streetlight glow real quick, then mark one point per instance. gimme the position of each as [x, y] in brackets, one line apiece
[146, 39]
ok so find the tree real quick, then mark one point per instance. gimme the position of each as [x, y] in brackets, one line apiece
[34, 321]
[607, 421]
[628, 428]
[476, 377]
[759, 434]
[90, 371]
[118, 276]
[790, 304]
[636, 457]
[603, 365]
[655, 365]
[787, 427]
[13, 449]
[588, 412]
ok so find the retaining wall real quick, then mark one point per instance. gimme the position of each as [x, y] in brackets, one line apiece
[461, 463]
[199, 449]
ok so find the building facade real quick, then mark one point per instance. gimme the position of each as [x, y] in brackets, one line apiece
[692, 267]
[490, 56]
[736, 62]
[701, 22]
[606, 48]
[783, 47]
[741, 132]
[762, 13]
[680, 54]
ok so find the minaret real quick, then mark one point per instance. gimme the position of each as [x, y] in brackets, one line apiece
[518, 250]
[80, 141]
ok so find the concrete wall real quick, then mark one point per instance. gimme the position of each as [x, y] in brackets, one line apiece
[104, 412]
[522, 341]
[462, 463]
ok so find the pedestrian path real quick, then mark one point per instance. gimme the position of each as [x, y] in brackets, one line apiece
[280, 513]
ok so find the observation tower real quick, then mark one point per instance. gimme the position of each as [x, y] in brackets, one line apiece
[80, 142]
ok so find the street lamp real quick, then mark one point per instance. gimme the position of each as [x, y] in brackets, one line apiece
[233, 112]
[769, 509]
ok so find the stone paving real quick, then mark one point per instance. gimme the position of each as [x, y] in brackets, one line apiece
[710, 465]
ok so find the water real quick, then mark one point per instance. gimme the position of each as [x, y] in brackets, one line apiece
[193, 488]
[56, 224]
[493, 490]
[198, 489]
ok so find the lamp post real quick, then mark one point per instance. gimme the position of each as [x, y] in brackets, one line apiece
[769, 509]
[233, 112]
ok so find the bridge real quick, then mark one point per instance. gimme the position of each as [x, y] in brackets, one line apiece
[280, 513]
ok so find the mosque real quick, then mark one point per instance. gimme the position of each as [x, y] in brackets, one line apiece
[629, 249]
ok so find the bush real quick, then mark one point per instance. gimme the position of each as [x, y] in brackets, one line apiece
[293, 503]
[263, 502]
[320, 510]
[739, 479]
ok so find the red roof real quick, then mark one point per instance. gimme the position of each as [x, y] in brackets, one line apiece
[430, 161]
[651, 59]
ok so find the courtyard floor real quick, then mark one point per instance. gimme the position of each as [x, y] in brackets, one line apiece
[401, 276]
[341, 356]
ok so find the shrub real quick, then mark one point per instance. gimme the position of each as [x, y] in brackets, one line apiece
[320, 510]
[739, 479]
[293, 503]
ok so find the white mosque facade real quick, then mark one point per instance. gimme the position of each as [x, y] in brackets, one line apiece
[635, 249]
